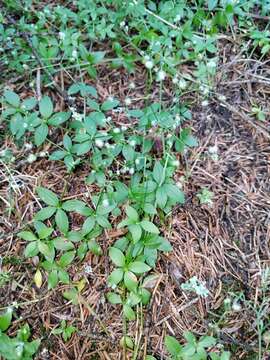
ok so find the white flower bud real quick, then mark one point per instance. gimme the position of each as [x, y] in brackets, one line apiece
[99, 143]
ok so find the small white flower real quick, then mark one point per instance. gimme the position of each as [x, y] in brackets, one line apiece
[107, 145]
[123, 128]
[236, 306]
[31, 158]
[28, 146]
[25, 66]
[212, 64]
[227, 302]
[116, 130]
[137, 161]
[109, 118]
[117, 172]
[25, 125]
[62, 35]
[222, 98]
[88, 269]
[205, 103]
[99, 143]
[74, 53]
[122, 24]
[177, 118]
[149, 64]
[161, 75]
[146, 58]
[175, 80]
[131, 171]
[176, 163]
[213, 149]
[128, 101]
[132, 85]
[179, 184]
[132, 143]
[182, 84]
[177, 18]
[105, 203]
[43, 154]
[204, 89]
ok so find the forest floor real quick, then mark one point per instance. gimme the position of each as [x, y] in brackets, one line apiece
[224, 242]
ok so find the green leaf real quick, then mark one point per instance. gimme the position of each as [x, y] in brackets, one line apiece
[5, 319]
[29, 104]
[173, 346]
[45, 213]
[52, 279]
[174, 193]
[226, 355]
[129, 313]
[83, 148]
[66, 259]
[27, 235]
[109, 104]
[132, 213]
[43, 230]
[138, 267]
[158, 173]
[161, 197]
[189, 350]
[117, 257]
[46, 107]
[136, 232]
[149, 209]
[12, 98]
[59, 118]
[57, 155]
[62, 244]
[47, 196]
[67, 142]
[114, 298]
[207, 341]
[115, 277]
[130, 281]
[73, 205]
[88, 225]
[63, 276]
[43, 248]
[41, 133]
[212, 4]
[149, 226]
[61, 220]
[31, 249]
[94, 247]
[190, 337]
[103, 222]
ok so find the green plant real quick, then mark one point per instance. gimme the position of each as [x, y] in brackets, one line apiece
[194, 349]
[23, 118]
[258, 112]
[205, 196]
[19, 347]
[65, 330]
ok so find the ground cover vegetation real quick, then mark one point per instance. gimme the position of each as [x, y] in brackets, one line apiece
[134, 172]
